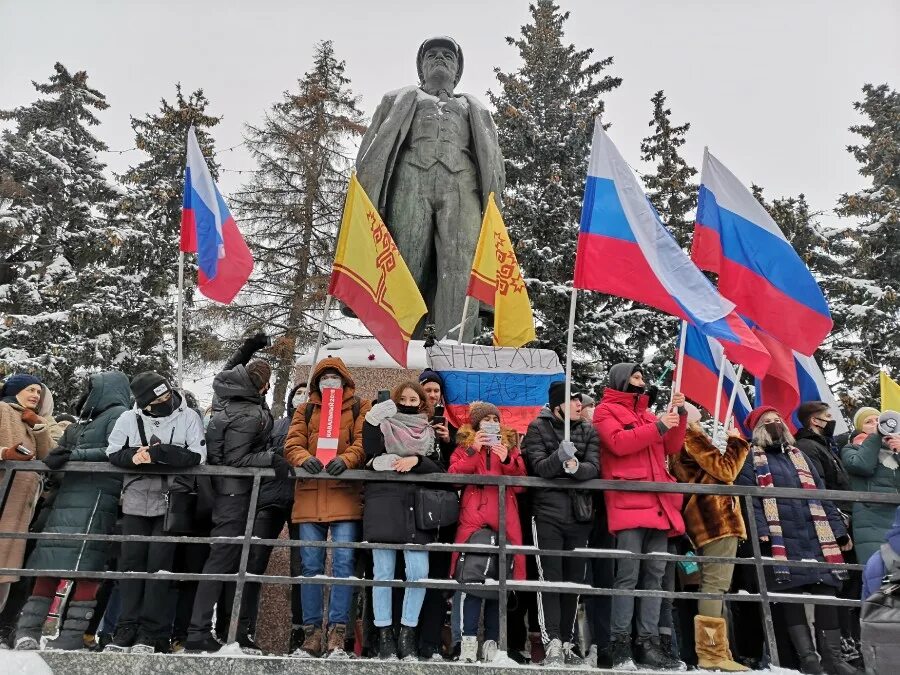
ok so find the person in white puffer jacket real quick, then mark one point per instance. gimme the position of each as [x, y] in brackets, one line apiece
[159, 429]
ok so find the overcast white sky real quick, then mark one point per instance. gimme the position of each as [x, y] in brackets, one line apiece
[767, 85]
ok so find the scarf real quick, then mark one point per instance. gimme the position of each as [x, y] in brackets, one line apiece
[407, 435]
[830, 550]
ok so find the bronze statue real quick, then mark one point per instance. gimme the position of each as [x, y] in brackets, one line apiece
[428, 162]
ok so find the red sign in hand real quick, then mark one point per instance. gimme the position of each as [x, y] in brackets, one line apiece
[329, 425]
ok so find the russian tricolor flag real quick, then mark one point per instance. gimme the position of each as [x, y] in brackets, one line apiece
[758, 269]
[517, 381]
[207, 229]
[703, 357]
[624, 250]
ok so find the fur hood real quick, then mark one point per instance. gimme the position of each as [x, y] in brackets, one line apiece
[466, 436]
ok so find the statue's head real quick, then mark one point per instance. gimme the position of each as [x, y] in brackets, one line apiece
[436, 54]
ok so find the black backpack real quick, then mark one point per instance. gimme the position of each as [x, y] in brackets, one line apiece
[880, 618]
[477, 568]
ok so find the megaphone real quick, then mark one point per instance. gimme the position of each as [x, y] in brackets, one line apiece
[889, 423]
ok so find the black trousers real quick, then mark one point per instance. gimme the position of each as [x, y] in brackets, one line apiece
[268, 525]
[230, 514]
[145, 603]
[434, 610]
[602, 573]
[557, 610]
[826, 616]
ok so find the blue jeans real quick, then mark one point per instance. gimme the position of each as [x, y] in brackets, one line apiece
[416, 568]
[472, 614]
[312, 562]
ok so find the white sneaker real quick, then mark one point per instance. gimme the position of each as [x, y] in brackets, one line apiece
[488, 651]
[143, 649]
[553, 654]
[469, 650]
[26, 644]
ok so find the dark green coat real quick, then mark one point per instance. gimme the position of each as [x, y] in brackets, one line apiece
[79, 493]
[867, 474]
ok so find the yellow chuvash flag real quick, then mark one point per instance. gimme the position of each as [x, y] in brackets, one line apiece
[371, 278]
[496, 280]
[890, 393]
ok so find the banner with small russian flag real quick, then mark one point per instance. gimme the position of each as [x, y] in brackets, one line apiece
[517, 381]
[758, 269]
[207, 229]
[703, 357]
[624, 250]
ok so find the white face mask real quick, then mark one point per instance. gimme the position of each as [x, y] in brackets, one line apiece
[330, 382]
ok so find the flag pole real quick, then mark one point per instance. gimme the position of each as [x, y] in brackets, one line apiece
[179, 319]
[718, 407]
[569, 350]
[462, 322]
[680, 367]
[315, 358]
[733, 397]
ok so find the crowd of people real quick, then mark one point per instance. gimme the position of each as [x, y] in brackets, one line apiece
[145, 421]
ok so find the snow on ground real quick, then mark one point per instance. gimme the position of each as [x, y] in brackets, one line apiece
[23, 663]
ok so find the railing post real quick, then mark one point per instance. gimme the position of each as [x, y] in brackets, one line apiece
[761, 579]
[8, 475]
[245, 555]
[501, 496]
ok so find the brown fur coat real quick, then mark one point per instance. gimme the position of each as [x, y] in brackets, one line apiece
[711, 517]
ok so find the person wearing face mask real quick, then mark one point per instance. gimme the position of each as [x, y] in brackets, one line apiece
[634, 446]
[159, 430]
[397, 436]
[237, 435]
[797, 529]
[323, 507]
[815, 439]
[561, 519]
[85, 502]
[873, 463]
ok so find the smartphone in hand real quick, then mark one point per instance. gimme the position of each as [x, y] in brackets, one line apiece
[383, 395]
[492, 431]
[22, 450]
[438, 417]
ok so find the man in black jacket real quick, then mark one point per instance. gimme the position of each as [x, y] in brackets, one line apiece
[237, 435]
[561, 518]
[816, 440]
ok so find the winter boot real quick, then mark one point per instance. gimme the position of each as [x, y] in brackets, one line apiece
[489, 651]
[78, 617]
[469, 649]
[571, 656]
[806, 653]
[248, 644]
[650, 654]
[829, 643]
[31, 620]
[621, 656]
[711, 643]
[537, 647]
[387, 645]
[334, 649]
[123, 640]
[407, 645]
[312, 643]
[554, 654]
[203, 645]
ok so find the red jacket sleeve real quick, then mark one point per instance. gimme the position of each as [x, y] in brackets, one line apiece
[674, 437]
[620, 441]
[463, 462]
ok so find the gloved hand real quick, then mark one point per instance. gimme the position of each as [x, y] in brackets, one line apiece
[336, 466]
[312, 465]
[282, 467]
[258, 341]
[380, 412]
[566, 450]
[31, 418]
[11, 454]
[57, 459]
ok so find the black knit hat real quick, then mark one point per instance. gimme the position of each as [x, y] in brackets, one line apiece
[557, 394]
[429, 375]
[147, 387]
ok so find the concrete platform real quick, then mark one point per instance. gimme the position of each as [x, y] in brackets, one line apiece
[89, 663]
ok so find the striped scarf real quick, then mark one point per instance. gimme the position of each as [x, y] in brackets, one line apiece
[830, 550]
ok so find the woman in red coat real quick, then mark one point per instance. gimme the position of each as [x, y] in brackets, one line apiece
[634, 444]
[480, 507]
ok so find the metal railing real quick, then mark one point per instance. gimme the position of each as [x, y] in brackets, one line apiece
[765, 597]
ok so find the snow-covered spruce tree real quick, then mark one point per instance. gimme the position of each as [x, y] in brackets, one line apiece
[872, 276]
[673, 193]
[69, 302]
[290, 209]
[155, 189]
[545, 119]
